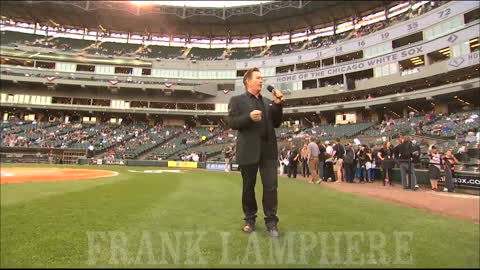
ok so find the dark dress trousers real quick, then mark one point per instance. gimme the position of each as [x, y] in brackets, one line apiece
[257, 150]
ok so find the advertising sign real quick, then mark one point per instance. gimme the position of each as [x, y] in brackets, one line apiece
[216, 166]
[182, 164]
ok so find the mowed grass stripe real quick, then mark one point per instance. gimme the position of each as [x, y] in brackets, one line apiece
[146, 208]
[46, 227]
[22, 192]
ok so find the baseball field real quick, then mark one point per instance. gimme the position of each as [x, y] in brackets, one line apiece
[101, 216]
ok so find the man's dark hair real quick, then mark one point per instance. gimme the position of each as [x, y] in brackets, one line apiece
[248, 75]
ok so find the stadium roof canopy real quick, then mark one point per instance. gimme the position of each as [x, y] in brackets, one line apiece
[199, 3]
[273, 17]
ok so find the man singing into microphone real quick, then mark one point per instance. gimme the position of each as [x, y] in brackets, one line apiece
[255, 118]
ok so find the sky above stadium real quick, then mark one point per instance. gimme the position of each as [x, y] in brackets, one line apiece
[199, 3]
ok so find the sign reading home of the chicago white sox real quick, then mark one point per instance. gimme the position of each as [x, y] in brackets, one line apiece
[437, 15]
[464, 35]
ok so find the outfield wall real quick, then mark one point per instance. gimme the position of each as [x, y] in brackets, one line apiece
[466, 182]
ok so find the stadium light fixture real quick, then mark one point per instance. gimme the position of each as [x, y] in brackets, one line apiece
[217, 4]
[141, 3]
[415, 110]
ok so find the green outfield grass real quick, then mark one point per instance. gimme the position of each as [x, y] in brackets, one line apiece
[193, 219]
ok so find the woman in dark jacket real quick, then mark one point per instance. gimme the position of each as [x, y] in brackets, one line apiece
[449, 161]
[386, 156]
[362, 160]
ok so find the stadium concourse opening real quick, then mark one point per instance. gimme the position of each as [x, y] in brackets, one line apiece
[21, 175]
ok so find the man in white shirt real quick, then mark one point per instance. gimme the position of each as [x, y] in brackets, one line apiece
[329, 174]
[91, 153]
[329, 149]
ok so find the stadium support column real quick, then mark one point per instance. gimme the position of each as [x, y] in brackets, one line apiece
[40, 116]
[62, 117]
[405, 112]
[360, 116]
[387, 20]
[46, 32]
[410, 10]
[323, 119]
[374, 117]
[334, 31]
[441, 108]
[428, 61]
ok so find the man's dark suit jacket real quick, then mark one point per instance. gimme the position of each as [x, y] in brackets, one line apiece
[248, 137]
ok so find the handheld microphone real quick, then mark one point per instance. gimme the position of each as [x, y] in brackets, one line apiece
[270, 89]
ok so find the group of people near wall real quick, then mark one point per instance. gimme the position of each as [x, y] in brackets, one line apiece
[337, 162]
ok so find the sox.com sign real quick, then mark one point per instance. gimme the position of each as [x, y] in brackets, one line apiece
[466, 181]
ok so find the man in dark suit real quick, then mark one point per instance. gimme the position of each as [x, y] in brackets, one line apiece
[255, 118]
[293, 157]
[404, 156]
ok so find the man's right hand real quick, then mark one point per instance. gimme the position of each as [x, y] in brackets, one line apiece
[256, 115]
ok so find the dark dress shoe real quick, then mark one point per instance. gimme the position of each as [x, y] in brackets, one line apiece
[273, 232]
